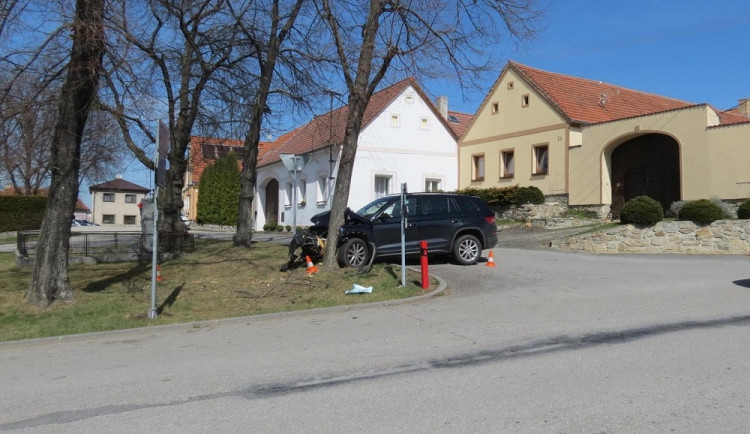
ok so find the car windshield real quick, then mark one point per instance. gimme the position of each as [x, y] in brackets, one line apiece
[374, 207]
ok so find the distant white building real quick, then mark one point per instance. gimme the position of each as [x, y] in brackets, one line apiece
[116, 203]
[404, 139]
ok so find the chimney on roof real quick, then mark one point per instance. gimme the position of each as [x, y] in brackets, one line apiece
[442, 106]
[744, 107]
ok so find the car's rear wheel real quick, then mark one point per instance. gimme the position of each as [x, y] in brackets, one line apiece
[467, 249]
[354, 253]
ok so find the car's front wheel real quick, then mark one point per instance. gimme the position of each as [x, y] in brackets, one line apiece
[354, 253]
[467, 249]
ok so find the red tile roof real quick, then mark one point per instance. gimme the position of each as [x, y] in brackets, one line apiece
[732, 116]
[587, 101]
[205, 150]
[330, 127]
[118, 184]
[464, 119]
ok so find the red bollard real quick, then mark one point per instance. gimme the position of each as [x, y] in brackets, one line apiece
[423, 263]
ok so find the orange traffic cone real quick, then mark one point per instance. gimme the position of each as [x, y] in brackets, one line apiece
[311, 268]
[158, 273]
[490, 260]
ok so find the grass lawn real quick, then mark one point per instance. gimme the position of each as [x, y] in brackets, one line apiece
[216, 281]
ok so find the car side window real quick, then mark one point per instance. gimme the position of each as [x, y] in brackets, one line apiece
[432, 205]
[465, 204]
[393, 211]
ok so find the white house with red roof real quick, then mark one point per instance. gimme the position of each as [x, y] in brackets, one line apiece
[405, 138]
[599, 145]
[115, 203]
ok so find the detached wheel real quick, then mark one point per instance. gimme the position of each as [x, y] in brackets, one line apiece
[467, 249]
[354, 253]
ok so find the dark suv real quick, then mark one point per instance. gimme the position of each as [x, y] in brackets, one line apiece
[454, 224]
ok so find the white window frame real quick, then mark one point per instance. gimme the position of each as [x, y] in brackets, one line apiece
[384, 178]
[433, 184]
[504, 172]
[540, 161]
[477, 167]
[424, 123]
[322, 190]
[395, 120]
[301, 192]
[288, 195]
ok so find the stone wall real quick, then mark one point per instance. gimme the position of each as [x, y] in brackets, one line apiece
[721, 237]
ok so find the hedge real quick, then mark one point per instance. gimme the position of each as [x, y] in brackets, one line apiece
[21, 213]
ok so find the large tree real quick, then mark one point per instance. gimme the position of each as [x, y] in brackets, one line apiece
[49, 280]
[267, 45]
[165, 56]
[424, 38]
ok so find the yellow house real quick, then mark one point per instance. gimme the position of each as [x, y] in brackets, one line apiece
[599, 145]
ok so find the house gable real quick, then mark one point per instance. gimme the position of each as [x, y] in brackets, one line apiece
[513, 106]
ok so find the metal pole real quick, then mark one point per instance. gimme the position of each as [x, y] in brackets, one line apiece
[403, 234]
[154, 256]
[294, 200]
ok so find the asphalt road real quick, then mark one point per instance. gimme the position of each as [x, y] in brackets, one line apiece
[544, 342]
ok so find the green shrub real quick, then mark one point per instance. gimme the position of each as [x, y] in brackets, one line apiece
[279, 228]
[493, 196]
[20, 213]
[524, 195]
[506, 196]
[743, 212]
[726, 209]
[701, 212]
[219, 192]
[288, 228]
[641, 210]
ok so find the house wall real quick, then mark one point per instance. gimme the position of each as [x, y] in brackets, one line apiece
[317, 167]
[410, 152]
[517, 125]
[119, 209]
[714, 161]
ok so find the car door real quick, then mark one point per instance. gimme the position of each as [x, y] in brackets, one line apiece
[435, 222]
[386, 228]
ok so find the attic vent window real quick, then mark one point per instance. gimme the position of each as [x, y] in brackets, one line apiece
[525, 100]
[510, 85]
[409, 98]
[453, 119]
[495, 107]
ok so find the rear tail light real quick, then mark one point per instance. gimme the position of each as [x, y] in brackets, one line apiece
[490, 219]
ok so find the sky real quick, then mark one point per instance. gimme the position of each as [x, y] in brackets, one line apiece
[693, 50]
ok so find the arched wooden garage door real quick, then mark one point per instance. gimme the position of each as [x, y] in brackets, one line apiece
[272, 201]
[648, 165]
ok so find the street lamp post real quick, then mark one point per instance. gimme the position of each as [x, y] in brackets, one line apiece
[294, 164]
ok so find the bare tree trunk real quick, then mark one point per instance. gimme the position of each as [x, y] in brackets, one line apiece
[49, 280]
[360, 88]
[249, 177]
